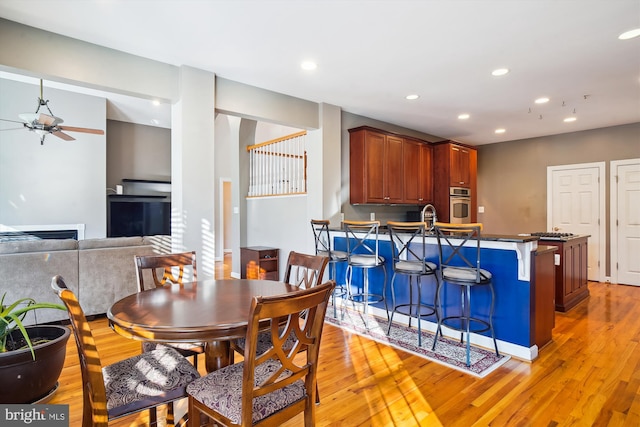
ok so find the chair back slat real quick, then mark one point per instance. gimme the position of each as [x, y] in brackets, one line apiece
[452, 238]
[305, 271]
[172, 267]
[408, 242]
[362, 236]
[321, 236]
[285, 310]
[95, 398]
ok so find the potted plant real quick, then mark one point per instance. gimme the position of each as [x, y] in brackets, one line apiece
[31, 357]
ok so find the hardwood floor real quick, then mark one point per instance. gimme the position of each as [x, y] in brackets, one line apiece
[589, 375]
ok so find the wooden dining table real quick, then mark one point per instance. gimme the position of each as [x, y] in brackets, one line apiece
[210, 311]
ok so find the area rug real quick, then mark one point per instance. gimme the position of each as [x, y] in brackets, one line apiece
[451, 353]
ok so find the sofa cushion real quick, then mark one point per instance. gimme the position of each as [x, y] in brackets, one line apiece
[110, 242]
[41, 245]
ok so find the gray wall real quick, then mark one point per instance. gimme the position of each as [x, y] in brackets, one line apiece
[512, 176]
[137, 152]
[60, 182]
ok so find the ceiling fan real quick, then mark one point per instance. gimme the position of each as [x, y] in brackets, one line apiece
[45, 124]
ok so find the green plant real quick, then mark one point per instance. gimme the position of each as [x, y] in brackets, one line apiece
[11, 316]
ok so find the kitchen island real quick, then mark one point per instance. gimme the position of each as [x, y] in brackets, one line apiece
[521, 301]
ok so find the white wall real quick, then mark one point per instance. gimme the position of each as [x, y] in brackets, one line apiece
[60, 182]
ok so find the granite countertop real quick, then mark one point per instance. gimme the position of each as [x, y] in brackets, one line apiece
[486, 237]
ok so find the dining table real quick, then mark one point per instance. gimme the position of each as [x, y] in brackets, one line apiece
[210, 311]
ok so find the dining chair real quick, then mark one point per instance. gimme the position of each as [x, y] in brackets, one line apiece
[459, 255]
[173, 268]
[324, 247]
[408, 246]
[267, 389]
[304, 271]
[363, 253]
[126, 387]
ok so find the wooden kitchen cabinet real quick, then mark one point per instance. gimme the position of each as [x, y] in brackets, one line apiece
[571, 273]
[454, 165]
[418, 172]
[376, 167]
[460, 166]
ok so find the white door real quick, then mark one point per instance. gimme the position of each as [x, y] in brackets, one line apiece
[625, 222]
[575, 204]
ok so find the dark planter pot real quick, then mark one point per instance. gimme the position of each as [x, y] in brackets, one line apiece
[24, 380]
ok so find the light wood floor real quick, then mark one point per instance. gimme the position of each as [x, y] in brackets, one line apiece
[588, 376]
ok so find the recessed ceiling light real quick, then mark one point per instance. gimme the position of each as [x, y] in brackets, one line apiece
[500, 130]
[570, 119]
[629, 34]
[156, 102]
[500, 72]
[308, 65]
[413, 96]
[542, 100]
[464, 116]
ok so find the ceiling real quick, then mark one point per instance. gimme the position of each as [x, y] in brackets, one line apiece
[371, 54]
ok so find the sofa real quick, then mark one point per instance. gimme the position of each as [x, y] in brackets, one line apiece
[99, 271]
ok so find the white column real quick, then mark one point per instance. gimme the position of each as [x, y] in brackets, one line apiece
[192, 168]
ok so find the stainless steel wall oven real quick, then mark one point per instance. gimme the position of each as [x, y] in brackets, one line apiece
[459, 205]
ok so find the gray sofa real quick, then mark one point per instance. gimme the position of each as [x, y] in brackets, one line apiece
[99, 271]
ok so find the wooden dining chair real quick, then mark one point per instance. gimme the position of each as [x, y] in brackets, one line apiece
[167, 269]
[271, 387]
[304, 271]
[131, 385]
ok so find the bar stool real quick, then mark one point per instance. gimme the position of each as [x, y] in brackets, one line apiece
[363, 253]
[409, 259]
[323, 244]
[460, 266]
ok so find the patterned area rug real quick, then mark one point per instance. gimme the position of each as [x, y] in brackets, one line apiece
[451, 353]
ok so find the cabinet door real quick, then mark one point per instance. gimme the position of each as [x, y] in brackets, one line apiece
[375, 167]
[426, 175]
[394, 176]
[460, 167]
[412, 171]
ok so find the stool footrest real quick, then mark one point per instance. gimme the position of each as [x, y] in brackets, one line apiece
[485, 326]
[406, 309]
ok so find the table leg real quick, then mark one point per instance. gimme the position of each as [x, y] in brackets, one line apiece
[217, 355]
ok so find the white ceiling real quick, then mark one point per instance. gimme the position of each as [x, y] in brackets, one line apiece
[371, 54]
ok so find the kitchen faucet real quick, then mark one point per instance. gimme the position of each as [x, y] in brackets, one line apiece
[429, 216]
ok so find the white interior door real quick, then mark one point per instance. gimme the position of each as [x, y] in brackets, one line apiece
[625, 222]
[575, 204]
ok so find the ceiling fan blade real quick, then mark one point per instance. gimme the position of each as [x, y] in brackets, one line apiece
[12, 121]
[83, 130]
[63, 135]
[22, 127]
[28, 117]
[48, 120]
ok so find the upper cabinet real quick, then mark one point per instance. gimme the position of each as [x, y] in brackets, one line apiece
[418, 172]
[460, 175]
[387, 168]
[455, 165]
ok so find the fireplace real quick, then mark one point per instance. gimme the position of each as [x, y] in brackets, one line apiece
[37, 232]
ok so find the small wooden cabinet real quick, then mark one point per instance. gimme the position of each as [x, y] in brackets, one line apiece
[571, 273]
[386, 168]
[261, 258]
[454, 165]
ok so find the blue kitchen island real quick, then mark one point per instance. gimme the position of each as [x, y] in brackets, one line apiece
[523, 312]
